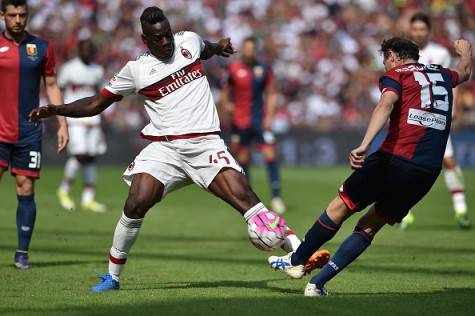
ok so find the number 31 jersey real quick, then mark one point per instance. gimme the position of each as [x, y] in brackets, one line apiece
[421, 119]
[176, 92]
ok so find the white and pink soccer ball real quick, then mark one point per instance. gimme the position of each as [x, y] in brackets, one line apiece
[267, 230]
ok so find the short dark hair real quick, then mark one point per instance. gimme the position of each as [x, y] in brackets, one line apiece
[402, 47]
[86, 42]
[15, 3]
[421, 17]
[251, 39]
[152, 15]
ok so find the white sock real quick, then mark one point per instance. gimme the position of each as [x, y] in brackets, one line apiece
[292, 242]
[125, 234]
[455, 184]
[89, 191]
[259, 207]
[70, 169]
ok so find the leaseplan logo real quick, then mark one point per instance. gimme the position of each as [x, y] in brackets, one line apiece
[4, 49]
[427, 119]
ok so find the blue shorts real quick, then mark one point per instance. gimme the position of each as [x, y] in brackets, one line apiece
[24, 159]
[245, 137]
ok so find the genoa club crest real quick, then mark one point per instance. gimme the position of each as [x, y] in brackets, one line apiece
[31, 50]
[186, 53]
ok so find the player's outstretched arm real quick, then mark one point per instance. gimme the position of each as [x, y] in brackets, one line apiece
[81, 108]
[222, 48]
[378, 119]
[463, 48]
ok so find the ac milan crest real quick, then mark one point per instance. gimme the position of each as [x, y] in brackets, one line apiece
[186, 53]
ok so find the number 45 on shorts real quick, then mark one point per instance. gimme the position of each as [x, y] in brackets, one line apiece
[221, 155]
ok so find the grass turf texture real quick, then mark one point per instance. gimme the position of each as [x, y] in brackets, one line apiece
[192, 256]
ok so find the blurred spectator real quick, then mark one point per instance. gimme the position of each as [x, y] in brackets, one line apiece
[324, 52]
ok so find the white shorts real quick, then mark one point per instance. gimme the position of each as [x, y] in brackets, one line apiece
[85, 140]
[181, 162]
[449, 149]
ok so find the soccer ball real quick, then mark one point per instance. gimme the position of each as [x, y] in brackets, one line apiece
[267, 230]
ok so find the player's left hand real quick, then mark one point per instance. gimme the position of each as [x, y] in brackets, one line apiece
[63, 138]
[226, 47]
[358, 156]
[42, 112]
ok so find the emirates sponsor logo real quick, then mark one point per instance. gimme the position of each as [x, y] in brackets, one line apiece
[175, 81]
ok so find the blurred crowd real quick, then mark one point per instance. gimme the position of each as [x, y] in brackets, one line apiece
[324, 52]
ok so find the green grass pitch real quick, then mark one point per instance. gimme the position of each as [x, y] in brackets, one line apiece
[192, 257]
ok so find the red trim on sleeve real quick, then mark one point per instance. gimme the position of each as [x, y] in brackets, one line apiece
[390, 89]
[50, 62]
[111, 96]
[26, 173]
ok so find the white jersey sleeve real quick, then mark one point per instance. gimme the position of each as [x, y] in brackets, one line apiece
[123, 83]
[197, 38]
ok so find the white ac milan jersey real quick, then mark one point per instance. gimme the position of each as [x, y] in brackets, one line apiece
[435, 54]
[80, 80]
[176, 93]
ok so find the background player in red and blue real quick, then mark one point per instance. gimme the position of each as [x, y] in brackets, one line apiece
[248, 95]
[25, 61]
[417, 99]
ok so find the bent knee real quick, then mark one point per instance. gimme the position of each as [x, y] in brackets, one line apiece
[24, 185]
[137, 206]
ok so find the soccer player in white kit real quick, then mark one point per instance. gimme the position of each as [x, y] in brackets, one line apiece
[80, 78]
[432, 53]
[184, 130]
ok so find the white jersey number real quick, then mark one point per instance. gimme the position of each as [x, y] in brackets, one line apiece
[431, 88]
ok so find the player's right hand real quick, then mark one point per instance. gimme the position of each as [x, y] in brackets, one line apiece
[357, 157]
[42, 112]
[463, 47]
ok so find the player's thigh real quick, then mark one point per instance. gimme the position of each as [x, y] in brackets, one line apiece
[26, 159]
[406, 185]
[5, 156]
[145, 191]
[24, 185]
[449, 149]
[78, 140]
[265, 141]
[240, 144]
[363, 186]
[163, 163]
[233, 188]
[210, 165]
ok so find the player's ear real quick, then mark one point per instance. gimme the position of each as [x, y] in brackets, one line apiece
[144, 39]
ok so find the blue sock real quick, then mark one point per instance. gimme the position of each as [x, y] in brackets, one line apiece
[245, 167]
[349, 250]
[25, 220]
[273, 173]
[322, 231]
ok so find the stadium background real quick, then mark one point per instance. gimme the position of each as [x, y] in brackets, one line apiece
[324, 53]
[193, 255]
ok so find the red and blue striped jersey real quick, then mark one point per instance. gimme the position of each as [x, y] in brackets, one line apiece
[21, 69]
[421, 119]
[248, 88]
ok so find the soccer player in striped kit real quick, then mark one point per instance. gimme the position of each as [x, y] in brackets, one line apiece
[25, 61]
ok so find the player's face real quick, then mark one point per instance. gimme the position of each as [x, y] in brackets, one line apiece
[159, 39]
[390, 61]
[419, 32]
[15, 18]
[86, 52]
[249, 52]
